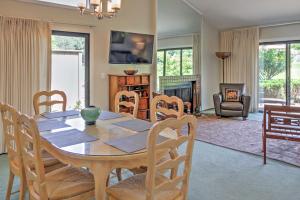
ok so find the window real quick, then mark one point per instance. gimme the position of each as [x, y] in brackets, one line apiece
[73, 3]
[174, 62]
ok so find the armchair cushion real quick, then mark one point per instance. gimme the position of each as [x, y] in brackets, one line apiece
[232, 95]
[237, 106]
[236, 86]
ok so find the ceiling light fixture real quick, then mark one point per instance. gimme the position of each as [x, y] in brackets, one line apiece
[100, 8]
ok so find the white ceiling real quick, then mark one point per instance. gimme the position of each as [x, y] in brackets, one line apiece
[239, 13]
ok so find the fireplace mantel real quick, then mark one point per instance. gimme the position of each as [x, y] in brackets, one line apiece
[166, 82]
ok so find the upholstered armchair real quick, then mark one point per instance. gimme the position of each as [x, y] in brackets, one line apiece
[232, 101]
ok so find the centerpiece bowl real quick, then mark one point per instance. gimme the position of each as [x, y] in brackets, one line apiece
[90, 114]
[130, 71]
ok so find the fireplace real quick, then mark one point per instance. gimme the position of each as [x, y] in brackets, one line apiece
[185, 87]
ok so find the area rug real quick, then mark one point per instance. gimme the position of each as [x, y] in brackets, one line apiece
[245, 136]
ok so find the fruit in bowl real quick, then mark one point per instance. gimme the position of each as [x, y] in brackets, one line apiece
[90, 114]
[130, 71]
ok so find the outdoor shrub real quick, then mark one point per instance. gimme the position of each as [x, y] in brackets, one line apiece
[273, 88]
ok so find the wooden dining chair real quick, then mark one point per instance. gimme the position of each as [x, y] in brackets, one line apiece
[186, 105]
[132, 96]
[37, 103]
[62, 183]
[12, 142]
[159, 109]
[9, 120]
[155, 183]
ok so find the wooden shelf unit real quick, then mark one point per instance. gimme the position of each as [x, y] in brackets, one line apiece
[139, 83]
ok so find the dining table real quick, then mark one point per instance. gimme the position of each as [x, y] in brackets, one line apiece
[98, 156]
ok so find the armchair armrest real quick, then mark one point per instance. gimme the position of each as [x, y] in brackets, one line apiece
[217, 103]
[246, 102]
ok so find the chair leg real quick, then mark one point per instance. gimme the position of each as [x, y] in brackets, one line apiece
[119, 174]
[9, 186]
[265, 149]
[22, 189]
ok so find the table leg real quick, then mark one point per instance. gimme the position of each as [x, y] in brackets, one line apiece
[100, 171]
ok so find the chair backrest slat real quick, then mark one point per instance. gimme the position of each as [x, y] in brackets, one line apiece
[37, 103]
[170, 164]
[11, 135]
[32, 159]
[282, 120]
[168, 185]
[127, 104]
[183, 157]
[173, 143]
[160, 105]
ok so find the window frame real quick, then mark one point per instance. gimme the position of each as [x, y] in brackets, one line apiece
[173, 49]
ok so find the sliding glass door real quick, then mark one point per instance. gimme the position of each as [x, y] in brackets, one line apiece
[279, 74]
[70, 67]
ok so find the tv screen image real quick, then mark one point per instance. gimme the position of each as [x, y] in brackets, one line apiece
[130, 48]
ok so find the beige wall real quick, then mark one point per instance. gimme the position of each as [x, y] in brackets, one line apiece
[175, 42]
[210, 69]
[136, 16]
[280, 33]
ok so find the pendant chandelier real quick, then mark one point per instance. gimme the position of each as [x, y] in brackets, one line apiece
[100, 8]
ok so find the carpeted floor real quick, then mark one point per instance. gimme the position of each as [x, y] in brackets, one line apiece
[237, 134]
[223, 174]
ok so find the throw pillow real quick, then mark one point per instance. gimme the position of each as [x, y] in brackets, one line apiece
[232, 94]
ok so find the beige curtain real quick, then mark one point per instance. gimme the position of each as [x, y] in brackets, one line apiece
[24, 62]
[242, 66]
[197, 53]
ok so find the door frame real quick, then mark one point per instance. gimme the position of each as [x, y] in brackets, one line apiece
[86, 37]
[287, 65]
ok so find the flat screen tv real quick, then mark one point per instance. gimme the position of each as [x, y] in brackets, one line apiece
[130, 48]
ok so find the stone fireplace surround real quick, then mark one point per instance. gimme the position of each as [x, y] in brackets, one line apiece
[166, 82]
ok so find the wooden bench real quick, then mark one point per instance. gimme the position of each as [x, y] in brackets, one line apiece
[282, 123]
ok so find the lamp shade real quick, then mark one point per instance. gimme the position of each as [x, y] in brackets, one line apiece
[95, 2]
[223, 55]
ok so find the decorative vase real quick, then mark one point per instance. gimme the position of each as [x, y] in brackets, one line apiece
[90, 114]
